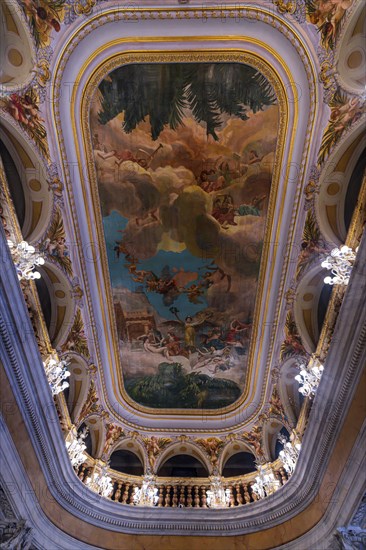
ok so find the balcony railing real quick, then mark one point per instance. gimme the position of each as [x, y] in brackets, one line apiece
[183, 492]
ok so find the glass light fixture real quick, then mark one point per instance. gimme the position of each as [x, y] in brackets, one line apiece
[147, 494]
[266, 482]
[289, 454]
[100, 482]
[340, 263]
[309, 378]
[76, 447]
[217, 495]
[25, 259]
[56, 372]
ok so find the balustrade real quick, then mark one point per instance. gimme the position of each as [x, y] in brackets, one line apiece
[183, 493]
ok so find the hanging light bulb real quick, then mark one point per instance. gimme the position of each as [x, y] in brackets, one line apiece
[340, 263]
[25, 260]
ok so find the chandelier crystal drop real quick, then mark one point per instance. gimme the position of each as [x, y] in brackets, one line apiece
[309, 378]
[340, 263]
[100, 482]
[217, 495]
[25, 259]
[289, 454]
[56, 372]
[266, 482]
[76, 447]
[147, 494]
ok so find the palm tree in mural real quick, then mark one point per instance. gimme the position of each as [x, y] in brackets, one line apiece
[166, 92]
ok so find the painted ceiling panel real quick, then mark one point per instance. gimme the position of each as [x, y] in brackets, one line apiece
[184, 155]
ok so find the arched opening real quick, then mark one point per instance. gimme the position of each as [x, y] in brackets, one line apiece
[182, 466]
[45, 301]
[14, 183]
[126, 462]
[323, 302]
[353, 189]
[239, 464]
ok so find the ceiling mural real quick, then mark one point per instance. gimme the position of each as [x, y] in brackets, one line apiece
[189, 351]
[184, 155]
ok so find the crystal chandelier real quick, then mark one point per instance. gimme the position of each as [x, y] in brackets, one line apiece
[309, 378]
[289, 454]
[25, 260]
[217, 496]
[56, 372]
[76, 447]
[147, 494]
[340, 263]
[266, 482]
[100, 482]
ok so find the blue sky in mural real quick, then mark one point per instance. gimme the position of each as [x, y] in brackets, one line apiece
[172, 261]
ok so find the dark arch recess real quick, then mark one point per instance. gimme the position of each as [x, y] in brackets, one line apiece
[126, 462]
[182, 466]
[353, 189]
[239, 464]
[14, 183]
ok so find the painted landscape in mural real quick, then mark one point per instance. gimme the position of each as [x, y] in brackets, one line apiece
[184, 156]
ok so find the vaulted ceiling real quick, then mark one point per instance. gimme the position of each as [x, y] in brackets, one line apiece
[183, 171]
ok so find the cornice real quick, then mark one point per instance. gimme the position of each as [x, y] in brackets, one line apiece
[28, 383]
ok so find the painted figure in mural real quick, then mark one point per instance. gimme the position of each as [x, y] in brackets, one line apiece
[223, 210]
[253, 157]
[189, 326]
[253, 209]
[233, 337]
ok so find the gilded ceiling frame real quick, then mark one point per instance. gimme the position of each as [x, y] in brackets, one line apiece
[221, 55]
[308, 67]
